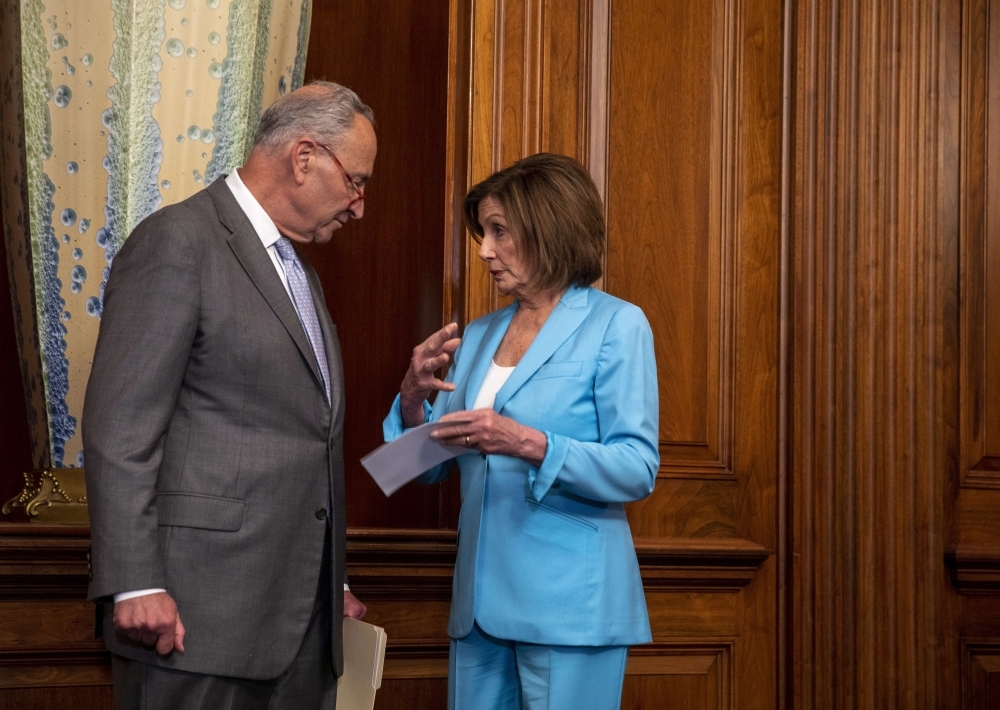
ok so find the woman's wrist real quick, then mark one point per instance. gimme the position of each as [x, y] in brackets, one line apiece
[534, 444]
[412, 416]
[412, 409]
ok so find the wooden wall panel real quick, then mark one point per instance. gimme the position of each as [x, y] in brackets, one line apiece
[383, 275]
[48, 655]
[873, 412]
[78, 698]
[981, 670]
[974, 557]
[981, 249]
[669, 250]
[693, 676]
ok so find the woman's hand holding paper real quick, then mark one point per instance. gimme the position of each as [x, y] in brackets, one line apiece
[490, 433]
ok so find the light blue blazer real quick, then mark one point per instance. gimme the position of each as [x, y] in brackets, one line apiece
[545, 553]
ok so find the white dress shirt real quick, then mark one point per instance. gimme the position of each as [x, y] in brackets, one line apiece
[269, 234]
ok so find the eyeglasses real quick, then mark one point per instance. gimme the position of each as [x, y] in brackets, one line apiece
[359, 190]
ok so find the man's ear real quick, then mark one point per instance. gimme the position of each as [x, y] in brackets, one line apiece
[299, 156]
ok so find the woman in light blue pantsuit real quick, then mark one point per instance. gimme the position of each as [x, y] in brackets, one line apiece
[556, 398]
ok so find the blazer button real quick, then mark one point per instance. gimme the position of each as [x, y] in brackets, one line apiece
[321, 514]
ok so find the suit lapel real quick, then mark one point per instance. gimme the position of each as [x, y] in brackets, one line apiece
[484, 354]
[567, 316]
[250, 252]
[253, 257]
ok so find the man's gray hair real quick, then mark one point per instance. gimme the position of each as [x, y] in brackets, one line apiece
[320, 115]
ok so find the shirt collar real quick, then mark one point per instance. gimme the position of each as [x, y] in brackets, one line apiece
[261, 222]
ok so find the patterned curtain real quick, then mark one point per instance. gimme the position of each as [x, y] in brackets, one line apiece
[128, 105]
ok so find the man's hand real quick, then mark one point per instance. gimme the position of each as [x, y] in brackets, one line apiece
[352, 607]
[420, 381]
[152, 620]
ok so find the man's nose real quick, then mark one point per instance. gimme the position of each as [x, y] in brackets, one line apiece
[357, 209]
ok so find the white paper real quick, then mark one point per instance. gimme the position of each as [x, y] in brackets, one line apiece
[397, 463]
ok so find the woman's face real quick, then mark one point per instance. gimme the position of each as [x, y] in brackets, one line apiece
[497, 248]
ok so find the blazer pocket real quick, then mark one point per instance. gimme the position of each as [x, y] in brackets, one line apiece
[569, 517]
[568, 368]
[194, 510]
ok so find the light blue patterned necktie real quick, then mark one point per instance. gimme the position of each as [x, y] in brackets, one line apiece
[304, 306]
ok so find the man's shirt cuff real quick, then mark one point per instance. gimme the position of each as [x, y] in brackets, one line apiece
[122, 596]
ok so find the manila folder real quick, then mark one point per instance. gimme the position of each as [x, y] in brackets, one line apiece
[364, 652]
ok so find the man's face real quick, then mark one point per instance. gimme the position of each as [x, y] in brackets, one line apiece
[332, 191]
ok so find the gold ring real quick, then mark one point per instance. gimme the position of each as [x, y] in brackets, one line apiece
[466, 439]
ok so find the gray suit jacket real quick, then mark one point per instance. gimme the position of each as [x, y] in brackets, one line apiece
[210, 445]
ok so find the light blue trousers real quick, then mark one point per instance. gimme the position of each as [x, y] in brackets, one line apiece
[488, 673]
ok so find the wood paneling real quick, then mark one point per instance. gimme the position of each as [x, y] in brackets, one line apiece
[691, 676]
[671, 174]
[981, 668]
[974, 555]
[79, 698]
[383, 275]
[404, 576]
[875, 268]
[980, 246]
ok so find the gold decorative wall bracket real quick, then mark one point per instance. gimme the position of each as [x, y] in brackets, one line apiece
[53, 496]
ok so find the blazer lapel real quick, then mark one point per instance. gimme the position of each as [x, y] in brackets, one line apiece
[484, 354]
[567, 316]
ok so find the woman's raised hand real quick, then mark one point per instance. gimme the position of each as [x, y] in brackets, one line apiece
[421, 378]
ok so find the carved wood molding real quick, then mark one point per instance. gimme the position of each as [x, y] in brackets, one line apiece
[43, 561]
[983, 474]
[698, 564]
[974, 570]
[50, 562]
[401, 564]
[80, 654]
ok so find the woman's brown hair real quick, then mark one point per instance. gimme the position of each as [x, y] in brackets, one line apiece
[554, 214]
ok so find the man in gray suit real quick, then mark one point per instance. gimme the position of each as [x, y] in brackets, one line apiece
[213, 429]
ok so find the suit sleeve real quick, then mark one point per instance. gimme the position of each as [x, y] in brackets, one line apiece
[621, 466]
[392, 426]
[149, 323]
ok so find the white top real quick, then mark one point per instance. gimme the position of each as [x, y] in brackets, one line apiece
[495, 379]
[269, 234]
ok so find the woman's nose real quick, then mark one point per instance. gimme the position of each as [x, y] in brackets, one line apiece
[486, 249]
